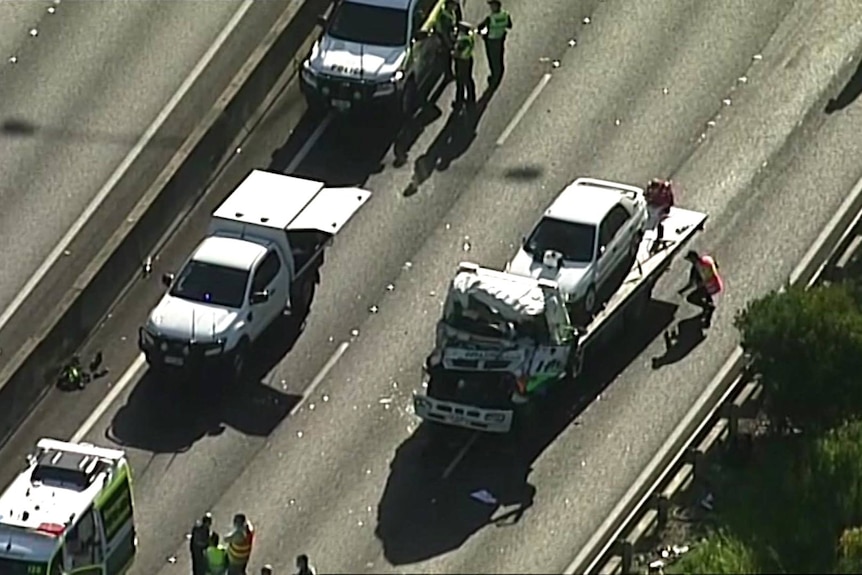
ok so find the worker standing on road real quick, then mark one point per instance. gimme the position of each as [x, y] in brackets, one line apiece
[303, 567]
[447, 27]
[659, 199]
[199, 542]
[239, 543]
[494, 29]
[704, 277]
[216, 556]
[462, 52]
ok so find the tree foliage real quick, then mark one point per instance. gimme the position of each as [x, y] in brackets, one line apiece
[850, 551]
[719, 553]
[807, 347]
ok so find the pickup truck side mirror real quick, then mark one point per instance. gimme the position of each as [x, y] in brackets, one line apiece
[168, 279]
[321, 21]
[259, 297]
[602, 250]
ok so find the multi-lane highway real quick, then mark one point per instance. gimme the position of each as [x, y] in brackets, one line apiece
[345, 475]
[82, 87]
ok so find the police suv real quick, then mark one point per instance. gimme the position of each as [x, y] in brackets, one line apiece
[374, 51]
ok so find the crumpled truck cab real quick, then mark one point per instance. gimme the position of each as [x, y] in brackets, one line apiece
[374, 52]
[249, 271]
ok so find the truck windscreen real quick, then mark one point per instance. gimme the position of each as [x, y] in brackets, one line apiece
[18, 567]
[367, 24]
[212, 284]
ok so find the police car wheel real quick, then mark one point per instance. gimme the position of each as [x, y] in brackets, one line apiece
[409, 98]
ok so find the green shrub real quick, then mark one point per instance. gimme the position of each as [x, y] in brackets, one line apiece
[720, 553]
[850, 551]
[807, 347]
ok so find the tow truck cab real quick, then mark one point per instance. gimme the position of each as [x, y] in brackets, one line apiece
[247, 272]
[501, 337]
[374, 52]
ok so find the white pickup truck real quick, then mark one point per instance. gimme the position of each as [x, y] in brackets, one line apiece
[248, 271]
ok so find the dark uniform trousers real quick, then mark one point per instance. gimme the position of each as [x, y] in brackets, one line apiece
[495, 51]
[465, 87]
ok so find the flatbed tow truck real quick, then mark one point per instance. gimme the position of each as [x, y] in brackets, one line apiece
[504, 338]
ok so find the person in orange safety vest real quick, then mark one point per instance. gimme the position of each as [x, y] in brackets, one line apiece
[239, 543]
[706, 280]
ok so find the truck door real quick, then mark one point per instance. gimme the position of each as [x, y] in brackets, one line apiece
[269, 277]
[611, 240]
[84, 547]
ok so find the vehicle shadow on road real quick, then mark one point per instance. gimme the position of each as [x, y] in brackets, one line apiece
[422, 515]
[353, 147]
[167, 414]
[848, 94]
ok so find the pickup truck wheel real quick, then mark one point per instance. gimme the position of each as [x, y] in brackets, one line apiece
[237, 361]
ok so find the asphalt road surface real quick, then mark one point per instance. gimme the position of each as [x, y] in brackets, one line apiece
[80, 82]
[347, 475]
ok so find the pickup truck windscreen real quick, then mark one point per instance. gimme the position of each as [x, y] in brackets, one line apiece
[366, 24]
[211, 284]
[575, 241]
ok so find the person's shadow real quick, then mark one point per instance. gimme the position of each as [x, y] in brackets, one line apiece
[452, 142]
[680, 341]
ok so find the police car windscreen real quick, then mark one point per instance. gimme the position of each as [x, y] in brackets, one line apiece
[16, 567]
[365, 24]
[212, 284]
[575, 241]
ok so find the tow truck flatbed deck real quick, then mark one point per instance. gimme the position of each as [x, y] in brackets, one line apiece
[652, 260]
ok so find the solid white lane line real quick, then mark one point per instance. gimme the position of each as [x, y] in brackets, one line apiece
[460, 455]
[309, 143]
[139, 365]
[128, 377]
[321, 375]
[133, 154]
[524, 109]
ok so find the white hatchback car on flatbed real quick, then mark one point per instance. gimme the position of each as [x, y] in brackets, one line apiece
[591, 231]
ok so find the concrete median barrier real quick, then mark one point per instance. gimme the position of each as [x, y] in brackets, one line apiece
[66, 307]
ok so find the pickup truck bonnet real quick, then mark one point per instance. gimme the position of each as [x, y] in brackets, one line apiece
[329, 210]
[187, 320]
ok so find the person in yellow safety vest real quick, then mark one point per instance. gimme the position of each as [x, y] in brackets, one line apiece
[706, 280]
[447, 27]
[239, 543]
[462, 52]
[494, 29]
[216, 556]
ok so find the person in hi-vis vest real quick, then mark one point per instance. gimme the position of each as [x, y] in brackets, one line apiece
[494, 29]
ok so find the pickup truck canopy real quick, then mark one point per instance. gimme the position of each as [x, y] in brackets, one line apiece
[515, 298]
[291, 204]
